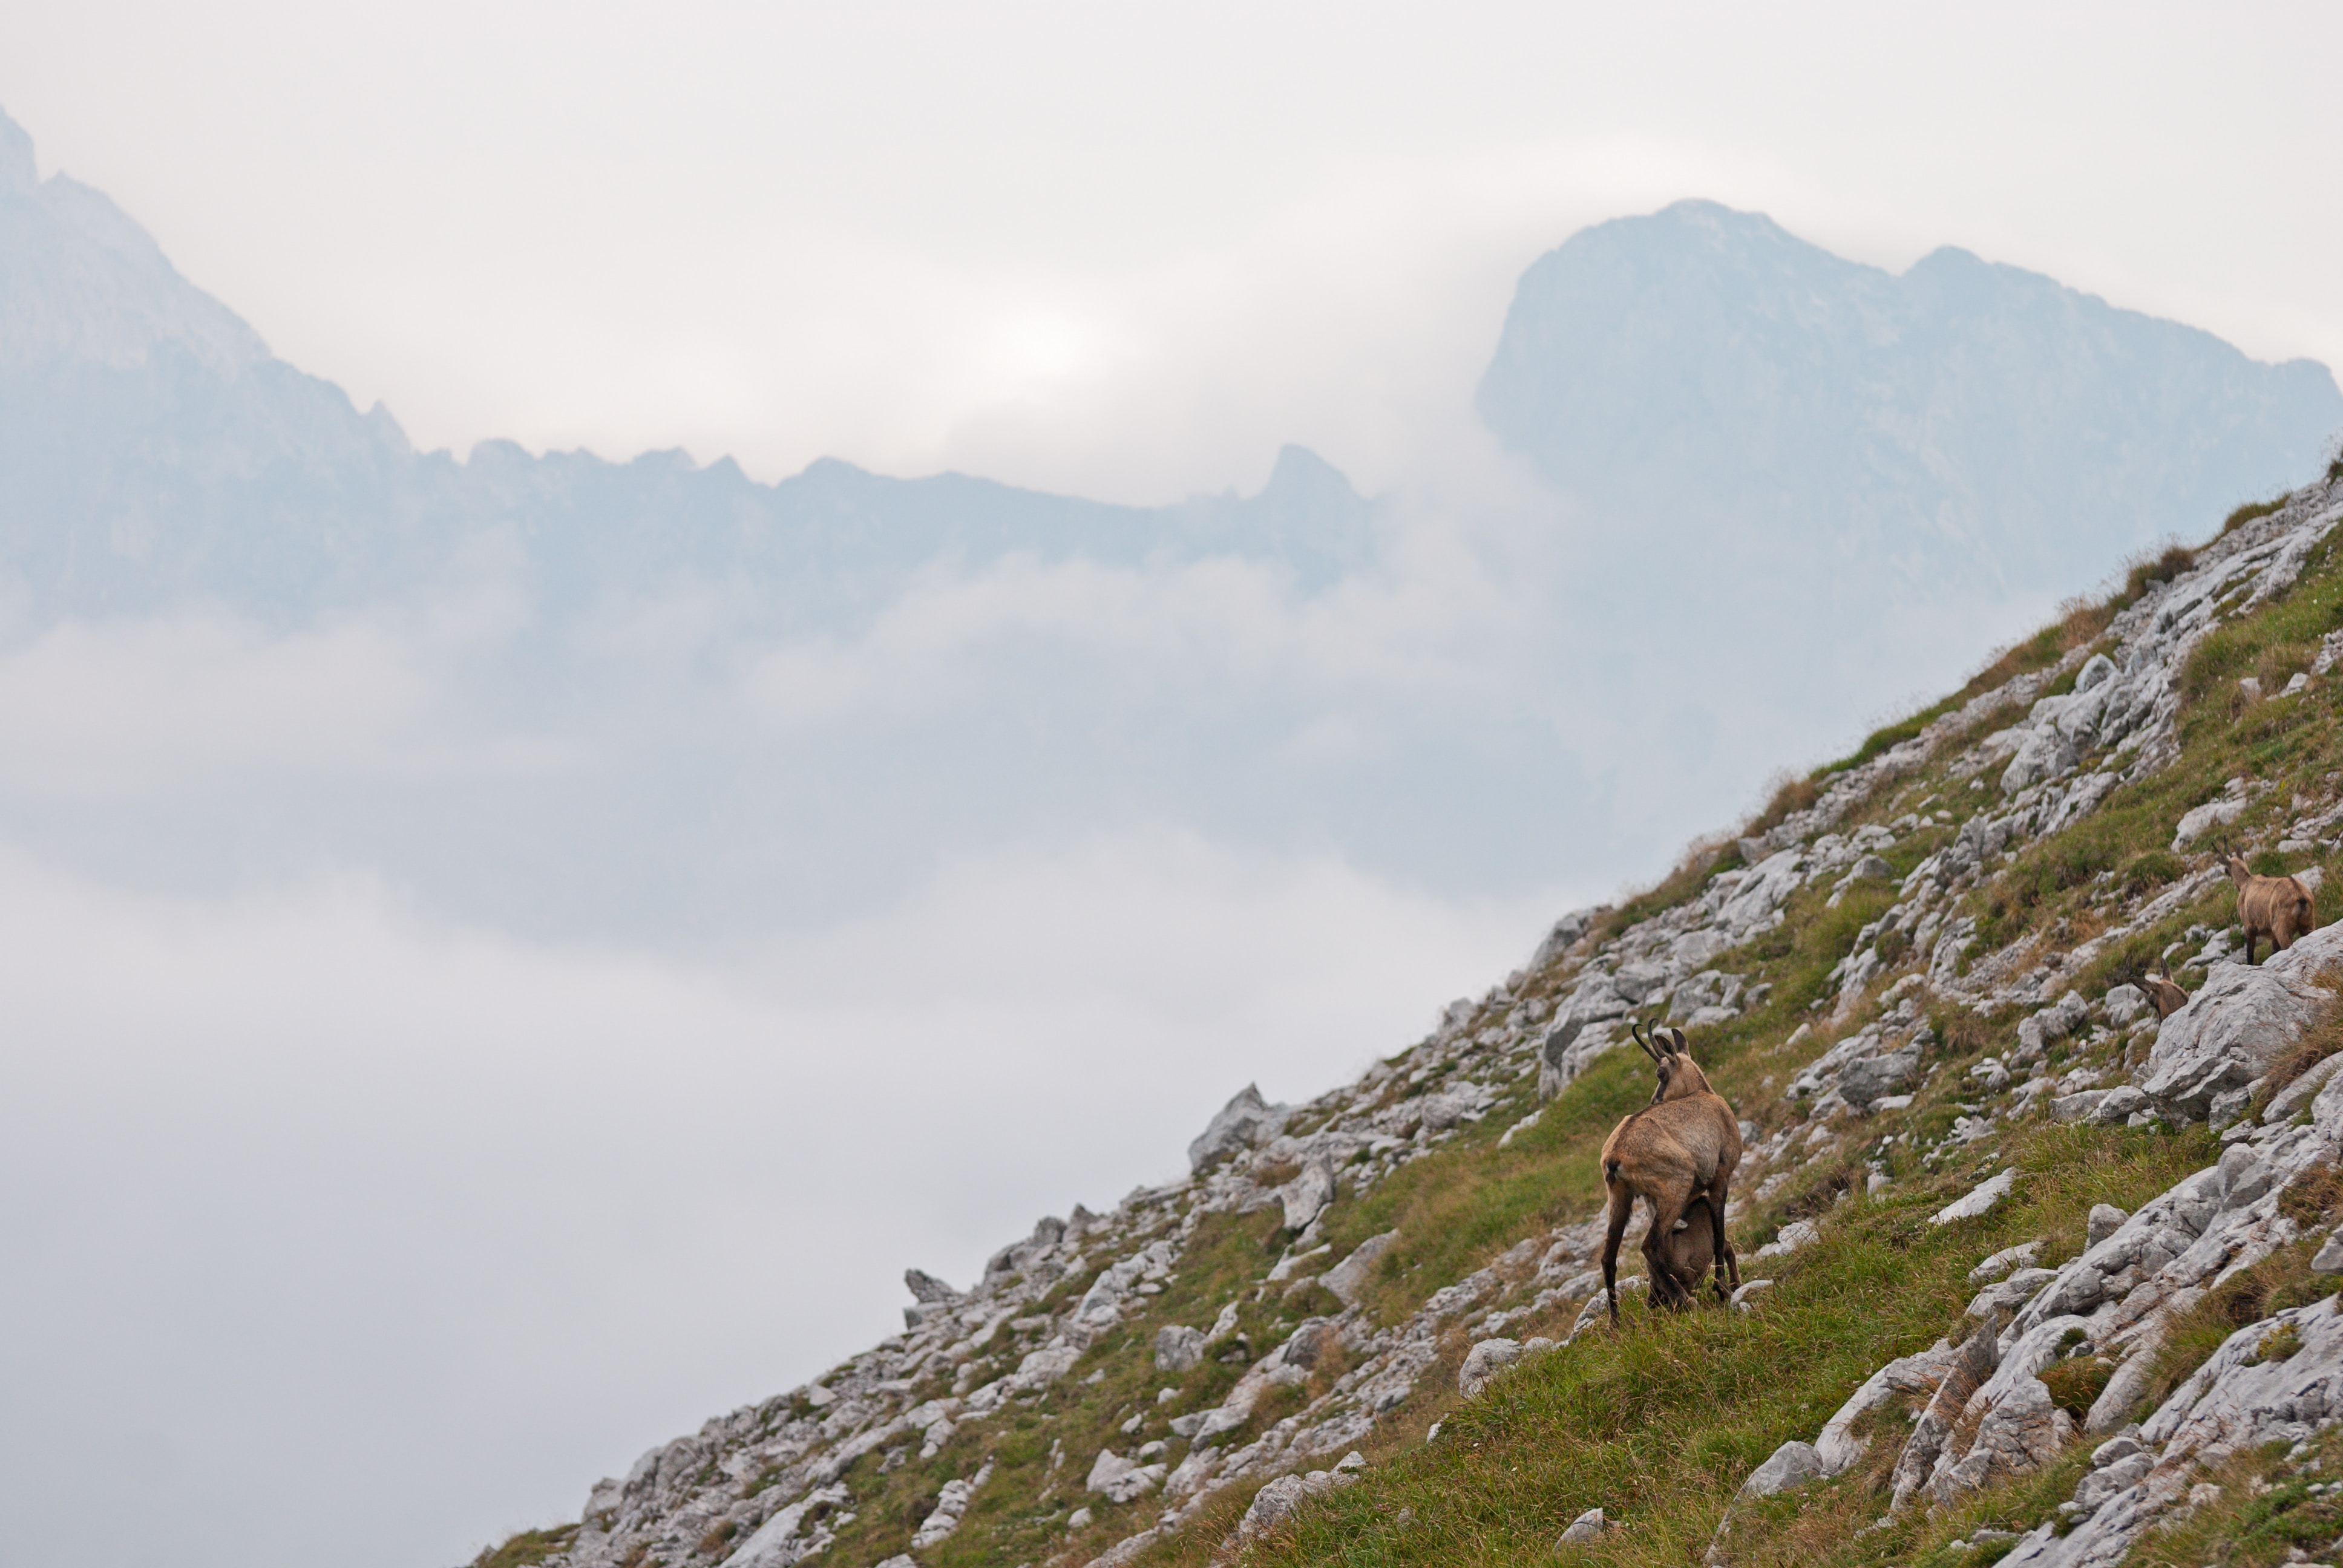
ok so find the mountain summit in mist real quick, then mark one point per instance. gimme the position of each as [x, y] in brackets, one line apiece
[1961, 428]
[86, 285]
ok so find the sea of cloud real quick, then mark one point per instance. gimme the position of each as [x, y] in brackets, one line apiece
[338, 1227]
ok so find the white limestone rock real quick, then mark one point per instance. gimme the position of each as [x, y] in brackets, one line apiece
[2299, 1094]
[1793, 1465]
[1177, 1349]
[1980, 1199]
[1272, 1503]
[932, 1296]
[1308, 1194]
[775, 1543]
[1588, 1526]
[2120, 1105]
[1998, 1303]
[1995, 1266]
[2275, 1381]
[1120, 1479]
[1576, 1040]
[2235, 1027]
[2214, 813]
[2127, 1003]
[1836, 1445]
[1869, 1078]
[2044, 753]
[1246, 1120]
[945, 1517]
[1348, 1279]
[1483, 1361]
[2020, 1434]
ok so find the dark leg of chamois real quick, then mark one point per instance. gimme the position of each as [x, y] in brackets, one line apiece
[1622, 1204]
[1719, 1191]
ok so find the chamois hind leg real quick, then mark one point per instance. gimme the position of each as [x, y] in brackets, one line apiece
[1623, 1203]
[1718, 1191]
[1665, 1212]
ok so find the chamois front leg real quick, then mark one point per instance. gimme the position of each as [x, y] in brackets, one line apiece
[1623, 1203]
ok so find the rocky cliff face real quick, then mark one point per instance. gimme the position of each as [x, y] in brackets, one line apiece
[1260, 1359]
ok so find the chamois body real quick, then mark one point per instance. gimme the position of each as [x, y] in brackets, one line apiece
[1683, 1146]
[2278, 907]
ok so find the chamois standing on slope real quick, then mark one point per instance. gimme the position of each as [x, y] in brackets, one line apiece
[1684, 1144]
[2278, 907]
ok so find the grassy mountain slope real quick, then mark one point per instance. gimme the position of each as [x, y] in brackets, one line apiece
[1900, 974]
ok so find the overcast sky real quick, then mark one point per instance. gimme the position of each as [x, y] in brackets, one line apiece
[1124, 249]
[329, 1219]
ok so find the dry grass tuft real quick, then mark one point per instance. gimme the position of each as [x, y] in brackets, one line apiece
[2251, 512]
[1793, 792]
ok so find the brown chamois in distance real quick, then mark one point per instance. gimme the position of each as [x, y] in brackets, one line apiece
[1684, 1144]
[2278, 907]
[2167, 998]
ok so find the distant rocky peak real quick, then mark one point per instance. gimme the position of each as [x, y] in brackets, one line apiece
[86, 283]
[19, 175]
[1302, 477]
[1723, 224]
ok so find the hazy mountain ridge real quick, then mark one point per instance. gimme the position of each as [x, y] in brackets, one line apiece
[156, 454]
[816, 689]
[1699, 375]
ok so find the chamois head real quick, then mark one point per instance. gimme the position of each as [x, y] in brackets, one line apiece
[2167, 998]
[2238, 871]
[1671, 1056]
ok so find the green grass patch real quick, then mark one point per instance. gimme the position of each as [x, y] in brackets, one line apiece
[1659, 1423]
[2251, 512]
[527, 1547]
[1889, 736]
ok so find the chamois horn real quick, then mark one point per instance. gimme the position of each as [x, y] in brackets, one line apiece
[1635, 1030]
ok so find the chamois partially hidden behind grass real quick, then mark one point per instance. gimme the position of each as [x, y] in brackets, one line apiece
[2278, 907]
[1682, 1146]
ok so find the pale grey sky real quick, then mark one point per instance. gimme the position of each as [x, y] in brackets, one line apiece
[1122, 249]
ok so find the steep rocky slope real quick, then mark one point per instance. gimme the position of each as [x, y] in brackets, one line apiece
[2030, 1273]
